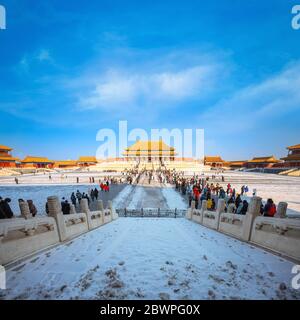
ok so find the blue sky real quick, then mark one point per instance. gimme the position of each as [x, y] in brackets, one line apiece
[70, 68]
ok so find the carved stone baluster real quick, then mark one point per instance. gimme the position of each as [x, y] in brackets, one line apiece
[281, 210]
[24, 208]
[54, 207]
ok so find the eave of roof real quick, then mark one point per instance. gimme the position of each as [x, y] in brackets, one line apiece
[2, 147]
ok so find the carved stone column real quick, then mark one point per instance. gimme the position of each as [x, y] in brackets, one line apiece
[231, 208]
[113, 212]
[100, 207]
[281, 210]
[252, 213]
[203, 209]
[54, 207]
[84, 206]
[220, 209]
[189, 212]
[73, 209]
[24, 208]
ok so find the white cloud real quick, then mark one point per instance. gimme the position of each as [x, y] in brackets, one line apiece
[117, 88]
[276, 96]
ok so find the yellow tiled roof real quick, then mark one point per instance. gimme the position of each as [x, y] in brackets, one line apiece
[31, 159]
[87, 159]
[2, 147]
[213, 159]
[149, 146]
[149, 153]
[65, 163]
[8, 159]
[296, 146]
[263, 159]
[237, 162]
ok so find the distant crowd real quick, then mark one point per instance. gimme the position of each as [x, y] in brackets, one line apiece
[199, 189]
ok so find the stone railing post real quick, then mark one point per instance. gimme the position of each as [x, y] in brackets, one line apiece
[100, 207]
[203, 206]
[84, 206]
[220, 209]
[252, 213]
[221, 206]
[24, 208]
[203, 209]
[189, 212]
[281, 210]
[231, 208]
[54, 207]
[73, 209]
[113, 212]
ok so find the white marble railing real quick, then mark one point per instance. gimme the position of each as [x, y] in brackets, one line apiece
[280, 234]
[20, 237]
[24, 236]
[277, 234]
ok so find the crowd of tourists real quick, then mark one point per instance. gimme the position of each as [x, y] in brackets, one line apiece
[198, 189]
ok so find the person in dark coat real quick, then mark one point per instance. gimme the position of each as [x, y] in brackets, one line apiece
[73, 198]
[238, 200]
[2, 213]
[96, 192]
[242, 208]
[47, 208]
[32, 208]
[92, 195]
[213, 205]
[65, 207]
[5, 209]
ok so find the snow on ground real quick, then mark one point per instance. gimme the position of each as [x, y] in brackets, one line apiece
[122, 196]
[173, 198]
[64, 177]
[152, 258]
[136, 197]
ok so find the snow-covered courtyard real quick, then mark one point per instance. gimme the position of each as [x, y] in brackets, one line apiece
[152, 258]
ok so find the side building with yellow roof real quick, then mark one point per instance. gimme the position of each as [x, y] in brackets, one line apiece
[37, 162]
[6, 158]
